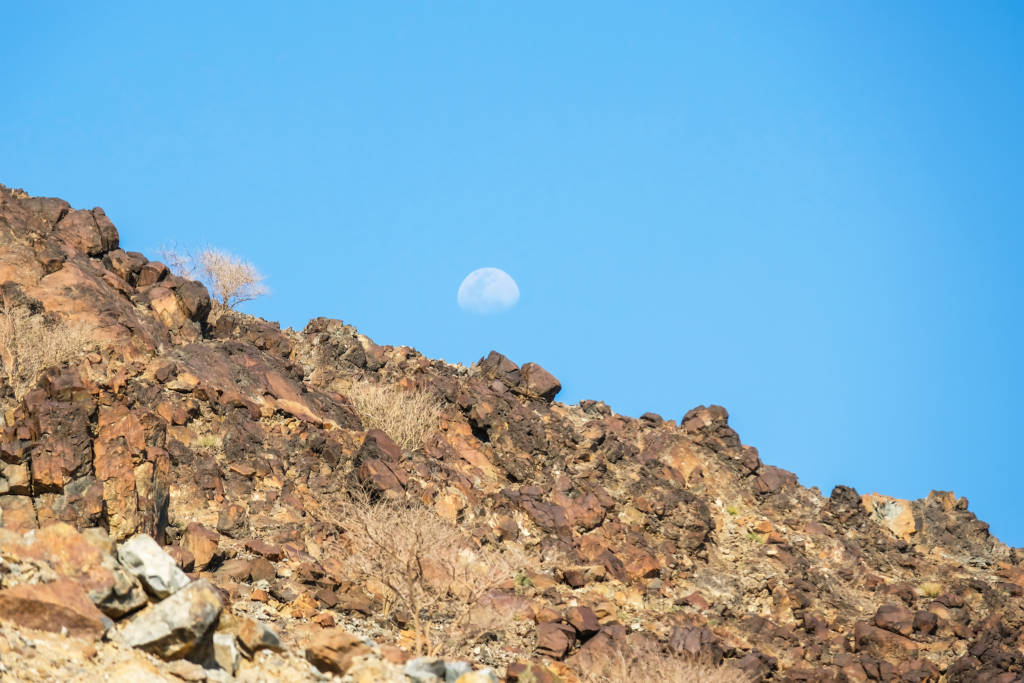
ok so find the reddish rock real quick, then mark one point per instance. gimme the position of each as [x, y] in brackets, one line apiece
[536, 381]
[895, 618]
[333, 650]
[583, 620]
[264, 549]
[261, 569]
[202, 543]
[378, 446]
[554, 639]
[254, 636]
[62, 604]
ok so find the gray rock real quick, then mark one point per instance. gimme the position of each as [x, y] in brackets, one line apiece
[143, 558]
[452, 670]
[176, 626]
[426, 670]
[123, 597]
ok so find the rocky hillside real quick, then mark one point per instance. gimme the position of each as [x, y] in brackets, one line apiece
[192, 493]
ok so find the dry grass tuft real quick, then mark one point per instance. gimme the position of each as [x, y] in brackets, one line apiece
[406, 416]
[31, 343]
[645, 662]
[424, 570]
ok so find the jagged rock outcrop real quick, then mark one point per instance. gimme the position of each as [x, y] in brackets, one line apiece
[229, 440]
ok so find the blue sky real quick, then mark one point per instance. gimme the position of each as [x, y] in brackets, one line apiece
[807, 212]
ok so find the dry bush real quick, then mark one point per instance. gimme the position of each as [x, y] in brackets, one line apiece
[31, 343]
[407, 416]
[643, 661]
[424, 570]
[230, 279]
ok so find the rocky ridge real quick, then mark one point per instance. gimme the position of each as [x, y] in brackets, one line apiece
[166, 496]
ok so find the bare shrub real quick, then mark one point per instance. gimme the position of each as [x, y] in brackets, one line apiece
[231, 279]
[638, 660]
[407, 416]
[425, 571]
[31, 343]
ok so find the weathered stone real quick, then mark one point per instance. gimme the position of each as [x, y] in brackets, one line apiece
[176, 626]
[225, 652]
[892, 513]
[895, 618]
[333, 650]
[60, 605]
[233, 521]
[554, 639]
[583, 620]
[254, 636]
[536, 381]
[202, 543]
[378, 446]
[157, 570]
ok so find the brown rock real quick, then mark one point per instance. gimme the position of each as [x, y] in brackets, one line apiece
[925, 622]
[530, 672]
[378, 446]
[382, 476]
[333, 650]
[554, 639]
[895, 618]
[264, 549]
[536, 381]
[62, 604]
[233, 520]
[254, 636]
[583, 620]
[202, 543]
[262, 569]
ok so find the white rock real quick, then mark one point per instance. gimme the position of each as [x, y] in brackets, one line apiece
[143, 558]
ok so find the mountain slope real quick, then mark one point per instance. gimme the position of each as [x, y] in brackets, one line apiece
[239, 446]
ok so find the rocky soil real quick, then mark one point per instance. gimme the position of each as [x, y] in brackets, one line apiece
[177, 501]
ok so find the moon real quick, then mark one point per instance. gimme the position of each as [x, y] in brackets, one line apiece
[488, 290]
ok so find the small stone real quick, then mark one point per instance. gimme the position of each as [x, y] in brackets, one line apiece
[225, 652]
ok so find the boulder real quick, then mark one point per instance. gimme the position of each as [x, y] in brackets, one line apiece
[176, 626]
[147, 561]
[538, 382]
[56, 606]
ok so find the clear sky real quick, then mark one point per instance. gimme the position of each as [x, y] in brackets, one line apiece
[807, 212]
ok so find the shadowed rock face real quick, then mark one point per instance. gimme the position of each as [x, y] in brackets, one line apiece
[184, 419]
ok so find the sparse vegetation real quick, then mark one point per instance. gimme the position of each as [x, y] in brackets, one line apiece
[31, 342]
[755, 537]
[642, 660]
[732, 510]
[930, 589]
[231, 279]
[407, 416]
[425, 571]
